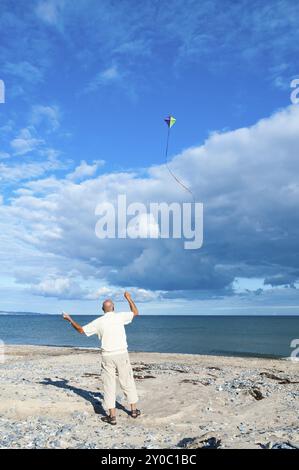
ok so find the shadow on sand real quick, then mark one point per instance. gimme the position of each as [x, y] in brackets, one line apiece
[95, 398]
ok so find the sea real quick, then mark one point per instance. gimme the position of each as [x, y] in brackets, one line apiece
[250, 336]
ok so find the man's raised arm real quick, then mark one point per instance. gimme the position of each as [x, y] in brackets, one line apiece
[73, 323]
[132, 305]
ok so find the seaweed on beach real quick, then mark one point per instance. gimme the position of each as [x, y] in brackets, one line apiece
[281, 380]
[256, 393]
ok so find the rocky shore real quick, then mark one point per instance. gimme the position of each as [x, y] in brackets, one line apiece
[52, 398]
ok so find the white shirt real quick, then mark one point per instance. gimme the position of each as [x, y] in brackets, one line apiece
[110, 329]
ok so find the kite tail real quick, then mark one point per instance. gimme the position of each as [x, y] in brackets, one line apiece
[171, 172]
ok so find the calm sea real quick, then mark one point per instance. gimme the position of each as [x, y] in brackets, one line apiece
[217, 335]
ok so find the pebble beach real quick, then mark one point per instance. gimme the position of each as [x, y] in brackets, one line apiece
[51, 397]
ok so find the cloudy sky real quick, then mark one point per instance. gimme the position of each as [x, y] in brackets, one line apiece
[88, 84]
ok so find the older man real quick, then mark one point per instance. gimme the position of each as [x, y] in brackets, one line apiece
[114, 350]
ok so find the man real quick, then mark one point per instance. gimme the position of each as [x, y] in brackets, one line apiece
[114, 349]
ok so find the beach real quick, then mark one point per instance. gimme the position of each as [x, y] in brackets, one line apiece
[51, 397]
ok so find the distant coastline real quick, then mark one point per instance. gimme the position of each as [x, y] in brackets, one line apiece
[249, 315]
[5, 312]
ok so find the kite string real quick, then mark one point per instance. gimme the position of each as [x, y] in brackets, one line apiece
[171, 172]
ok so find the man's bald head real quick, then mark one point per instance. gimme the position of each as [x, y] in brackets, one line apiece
[108, 306]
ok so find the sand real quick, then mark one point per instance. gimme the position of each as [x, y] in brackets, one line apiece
[52, 398]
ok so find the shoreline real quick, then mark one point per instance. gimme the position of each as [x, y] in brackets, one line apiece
[91, 348]
[51, 397]
[250, 315]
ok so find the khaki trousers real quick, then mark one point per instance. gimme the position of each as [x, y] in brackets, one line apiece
[119, 363]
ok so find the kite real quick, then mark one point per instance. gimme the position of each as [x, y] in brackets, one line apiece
[170, 121]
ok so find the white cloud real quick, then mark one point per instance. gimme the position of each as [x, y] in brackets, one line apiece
[84, 170]
[40, 156]
[247, 180]
[26, 171]
[109, 74]
[25, 142]
[7, 128]
[4, 155]
[140, 295]
[24, 70]
[62, 288]
[105, 77]
[76, 288]
[105, 292]
[192, 30]
[48, 114]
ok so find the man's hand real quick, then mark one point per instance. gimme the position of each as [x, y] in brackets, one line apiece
[133, 307]
[73, 323]
[66, 316]
[127, 296]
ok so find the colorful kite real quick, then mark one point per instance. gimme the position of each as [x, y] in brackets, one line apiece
[170, 121]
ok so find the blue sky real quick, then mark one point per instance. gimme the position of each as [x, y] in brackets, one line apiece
[88, 84]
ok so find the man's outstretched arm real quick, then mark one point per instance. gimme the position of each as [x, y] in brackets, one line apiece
[73, 323]
[132, 305]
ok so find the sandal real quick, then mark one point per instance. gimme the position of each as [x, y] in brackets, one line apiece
[109, 419]
[135, 413]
